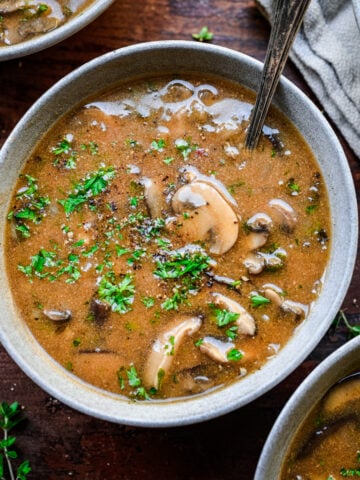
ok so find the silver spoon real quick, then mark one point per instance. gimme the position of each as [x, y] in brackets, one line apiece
[287, 20]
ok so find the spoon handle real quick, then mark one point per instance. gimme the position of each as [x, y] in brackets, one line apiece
[287, 20]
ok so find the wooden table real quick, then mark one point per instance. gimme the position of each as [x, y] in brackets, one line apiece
[62, 443]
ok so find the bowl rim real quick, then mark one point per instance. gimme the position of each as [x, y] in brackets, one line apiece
[46, 40]
[196, 408]
[356, 8]
[308, 393]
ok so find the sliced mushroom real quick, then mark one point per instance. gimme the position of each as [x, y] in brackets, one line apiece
[284, 214]
[254, 263]
[9, 6]
[256, 240]
[245, 322]
[57, 315]
[260, 222]
[192, 174]
[297, 308]
[216, 349]
[165, 348]
[275, 295]
[230, 282]
[211, 217]
[37, 25]
[99, 310]
[153, 197]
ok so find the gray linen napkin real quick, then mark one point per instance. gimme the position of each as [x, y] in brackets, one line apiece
[327, 53]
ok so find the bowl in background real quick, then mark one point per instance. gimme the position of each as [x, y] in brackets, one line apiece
[341, 363]
[163, 58]
[46, 40]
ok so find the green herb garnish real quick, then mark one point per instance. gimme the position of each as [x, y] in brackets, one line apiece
[94, 184]
[158, 145]
[119, 296]
[10, 416]
[234, 355]
[33, 207]
[293, 186]
[148, 301]
[258, 301]
[223, 317]
[354, 330]
[204, 35]
[133, 381]
[185, 147]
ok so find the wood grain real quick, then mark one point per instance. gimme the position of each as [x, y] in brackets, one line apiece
[62, 443]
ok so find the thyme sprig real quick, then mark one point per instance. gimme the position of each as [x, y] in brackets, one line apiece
[10, 416]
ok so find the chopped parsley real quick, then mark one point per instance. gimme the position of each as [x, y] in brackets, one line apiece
[204, 35]
[293, 187]
[311, 208]
[258, 301]
[134, 381]
[32, 209]
[223, 317]
[65, 155]
[352, 472]
[232, 332]
[185, 147]
[119, 296]
[148, 301]
[94, 184]
[182, 264]
[234, 355]
[179, 298]
[168, 160]
[158, 145]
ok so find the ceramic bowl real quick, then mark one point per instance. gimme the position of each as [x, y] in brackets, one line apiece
[342, 362]
[356, 7]
[73, 25]
[162, 58]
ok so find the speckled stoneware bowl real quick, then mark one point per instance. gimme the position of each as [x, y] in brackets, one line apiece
[46, 40]
[343, 362]
[170, 57]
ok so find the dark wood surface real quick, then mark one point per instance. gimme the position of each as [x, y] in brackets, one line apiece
[61, 443]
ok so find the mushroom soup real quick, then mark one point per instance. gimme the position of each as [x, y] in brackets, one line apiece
[155, 257]
[327, 446]
[21, 20]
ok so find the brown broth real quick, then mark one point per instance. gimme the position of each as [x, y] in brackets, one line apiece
[148, 132]
[327, 446]
[22, 20]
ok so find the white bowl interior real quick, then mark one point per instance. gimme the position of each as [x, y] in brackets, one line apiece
[180, 57]
[343, 362]
[53, 37]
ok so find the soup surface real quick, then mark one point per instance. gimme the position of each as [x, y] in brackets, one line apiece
[150, 254]
[23, 19]
[327, 446]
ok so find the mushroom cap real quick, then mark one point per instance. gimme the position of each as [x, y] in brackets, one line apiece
[192, 174]
[165, 348]
[211, 217]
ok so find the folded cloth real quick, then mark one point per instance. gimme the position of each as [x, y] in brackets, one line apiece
[326, 51]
